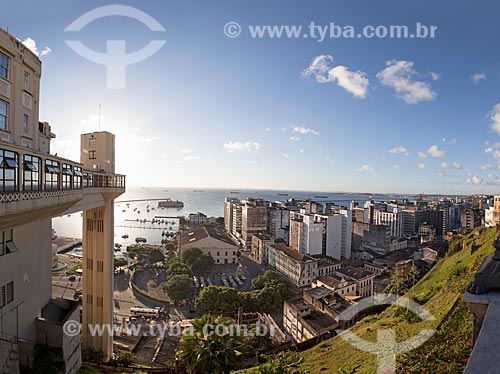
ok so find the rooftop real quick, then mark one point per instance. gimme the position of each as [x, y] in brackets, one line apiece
[204, 232]
[300, 257]
[355, 273]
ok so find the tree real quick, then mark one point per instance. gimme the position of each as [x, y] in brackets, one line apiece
[179, 287]
[176, 267]
[209, 348]
[155, 255]
[271, 279]
[218, 299]
[189, 255]
[120, 262]
[198, 262]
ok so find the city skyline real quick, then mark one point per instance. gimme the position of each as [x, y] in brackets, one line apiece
[210, 111]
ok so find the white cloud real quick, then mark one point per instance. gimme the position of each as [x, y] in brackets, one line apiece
[267, 129]
[399, 150]
[495, 118]
[475, 180]
[435, 76]
[477, 78]
[434, 151]
[301, 151]
[285, 155]
[492, 176]
[440, 174]
[191, 157]
[452, 141]
[444, 164]
[31, 45]
[366, 167]
[421, 154]
[240, 146]
[164, 155]
[304, 130]
[45, 51]
[396, 166]
[421, 165]
[457, 165]
[186, 151]
[354, 82]
[399, 75]
[294, 138]
[486, 167]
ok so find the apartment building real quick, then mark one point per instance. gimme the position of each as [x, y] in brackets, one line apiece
[319, 312]
[362, 277]
[299, 268]
[253, 219]
[258, 249]
[278, 222]
[470, 218]
[212, 241]
[340, 285]
[34, 187]
[322, 234]
[412, 219]
[393, 219]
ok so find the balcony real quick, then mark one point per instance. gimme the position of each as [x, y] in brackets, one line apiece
[36, 185]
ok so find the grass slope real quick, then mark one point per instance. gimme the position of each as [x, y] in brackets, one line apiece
[439, 291]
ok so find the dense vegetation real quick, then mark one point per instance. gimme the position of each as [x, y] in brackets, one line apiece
[270, 290]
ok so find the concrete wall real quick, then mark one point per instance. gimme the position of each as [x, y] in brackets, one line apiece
[31, 270]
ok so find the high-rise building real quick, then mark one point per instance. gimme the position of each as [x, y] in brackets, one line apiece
[278, 222]
[35, 186]
[253, 219]
[412, 219]
[322, 234]
[392, 219]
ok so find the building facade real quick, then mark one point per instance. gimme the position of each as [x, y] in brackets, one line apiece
[34, 187]
[299, 268]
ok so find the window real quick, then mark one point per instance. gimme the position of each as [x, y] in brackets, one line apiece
[4, 66]
[77, 177]
[67, 173]
[6, 294]
[26, 80]
[8, 171]
[7, 245]
[31, 173]
[91, 155]
[88, 180]
[51, 175]
[3, 115]
[26, 120]
[92, 142]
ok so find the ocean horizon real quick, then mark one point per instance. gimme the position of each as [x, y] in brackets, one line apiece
[133, 206]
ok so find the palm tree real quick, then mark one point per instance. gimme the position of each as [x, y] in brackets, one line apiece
[212, 346]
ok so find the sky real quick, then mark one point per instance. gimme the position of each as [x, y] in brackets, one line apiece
[404, 115]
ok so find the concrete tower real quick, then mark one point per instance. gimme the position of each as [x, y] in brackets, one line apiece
[98, 153]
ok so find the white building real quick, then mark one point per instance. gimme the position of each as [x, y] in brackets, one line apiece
[393, 219]
[488, 217]
[322, 234]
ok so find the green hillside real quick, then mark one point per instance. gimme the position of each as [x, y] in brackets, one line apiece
[439, 291]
